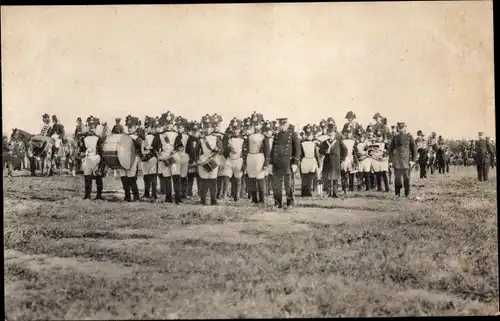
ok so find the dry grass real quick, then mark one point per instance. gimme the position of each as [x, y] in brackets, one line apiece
[366, 255]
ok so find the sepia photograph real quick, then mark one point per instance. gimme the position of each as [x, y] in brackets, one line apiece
[251, 160]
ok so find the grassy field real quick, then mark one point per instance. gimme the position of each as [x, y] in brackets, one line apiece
[369, 254]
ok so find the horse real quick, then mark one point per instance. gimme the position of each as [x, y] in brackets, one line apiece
[36, 146]
[71, 154]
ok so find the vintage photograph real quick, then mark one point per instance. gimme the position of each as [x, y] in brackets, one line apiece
[249, 160]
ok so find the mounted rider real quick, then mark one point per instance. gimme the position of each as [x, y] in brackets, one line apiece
[56, 132]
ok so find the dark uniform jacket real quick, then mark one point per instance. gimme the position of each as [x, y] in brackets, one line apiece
[192, 147]
[57, 129]
[285, 152]
[483, 151]
[334, 156]
[402, 150]
[117, 129]
[78, 129]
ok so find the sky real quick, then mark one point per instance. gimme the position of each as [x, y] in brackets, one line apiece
[429, 64]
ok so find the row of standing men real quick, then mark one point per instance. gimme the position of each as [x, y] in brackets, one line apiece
[253, 155]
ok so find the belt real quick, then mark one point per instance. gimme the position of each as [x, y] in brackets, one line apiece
[256, 153]
[310, 157]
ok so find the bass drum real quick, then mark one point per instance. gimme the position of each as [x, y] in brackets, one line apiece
[119, 151]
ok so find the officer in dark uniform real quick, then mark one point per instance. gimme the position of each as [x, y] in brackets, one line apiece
[402, 154]
[79, 127]
[192, 147]
[285, 159]
[492, 155]
[117, 128]
[483, 153]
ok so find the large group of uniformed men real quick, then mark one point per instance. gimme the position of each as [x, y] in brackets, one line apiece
[255, 156]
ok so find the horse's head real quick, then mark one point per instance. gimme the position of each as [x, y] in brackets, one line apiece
[15, 134]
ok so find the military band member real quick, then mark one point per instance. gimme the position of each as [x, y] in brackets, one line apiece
[370, 140]
[402, 153]
[172, 147]
[46, 125]
[349, 165]
[79, 127]
[335, 153]
[257, 159]
[483, 150]
[285, 160]
[247, 130]
[192, 146]
[210, 148]
[364, 161]
[93, 162]
[117, 128]
[235, 155]
[217, 119]
[431, 152]
[321, 137]
[309, 160]
[269, 130]
[379, 125]
[351, 123]
[441, 155]
[184, 157]
[129, 177]
[422, 154]
[380, 161]
[150, 148]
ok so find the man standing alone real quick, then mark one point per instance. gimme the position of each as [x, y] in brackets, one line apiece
[402, 152]
[483, 152]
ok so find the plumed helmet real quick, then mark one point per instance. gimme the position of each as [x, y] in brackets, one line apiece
[350, 115]
[217, 119]
[235, 124]
[46, 116]
[207, 121]
[323, 124]
[377, 115]
[419, 133]
[384, 120]
[168, 118]
[369, 128]
[330, 121]
[307, 129]
[256, 118]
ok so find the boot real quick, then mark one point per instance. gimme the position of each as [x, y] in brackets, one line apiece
[225, 187]
[261, 189]
[154, 187]
[190, 184]
[163, 184]
[99, 183]
[237, 188]
[184, 187]
[88, 186]
[134, 188]
[202, 190]
[366, 179]
[219, 187]
[351, 182]
[126, 188]
[333, 189]
[177, 189]
[168, 189]
[213, 192]
[373, 181]
[378, 178]
[386, 181]
[147, 185]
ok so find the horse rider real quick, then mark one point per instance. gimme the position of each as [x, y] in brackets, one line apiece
[93, 162]
[402, 153]
[181, 125]
[269, 130]
[380, 161]
[118, 128]
[422, 153]
[335, 153]
[483, 151]
[349, 165]
[257, 159]
[192, 146]
[169, 164]
[150, 146]
[285, 160]
[351, 123]
[208, 168]
[235, 153]
[79, 127]
[309, 160]
[46, 125]
[57, 133]
[129, 177]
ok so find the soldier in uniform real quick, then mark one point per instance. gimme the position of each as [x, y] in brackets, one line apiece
[117, 128]
[285, 160]
[364, 161]
[349, 165]
[379, 125]
[93, 162]
[431, 152]
[309, 160]
[247, 130]
[192, 147]
[217, 119]
[129, 177]
[269, 130]
[46, 125]
[380, 161]
[402, 153]
[79, 127]
[150, 148]
[322, 136]
[351, 124]
[181, 125]
[483, 151]
[422, 154]
[441, 155]
[235, 155]
[257, 159]
[335, 153]
[172, 147]
[210, 148]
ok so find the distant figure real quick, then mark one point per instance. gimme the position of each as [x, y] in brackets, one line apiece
[483, 151]
[402, 152]
[118, 128]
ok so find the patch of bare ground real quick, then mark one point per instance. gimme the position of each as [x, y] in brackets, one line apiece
[435, 254]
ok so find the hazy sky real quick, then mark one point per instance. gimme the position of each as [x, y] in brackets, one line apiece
[427, 63]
